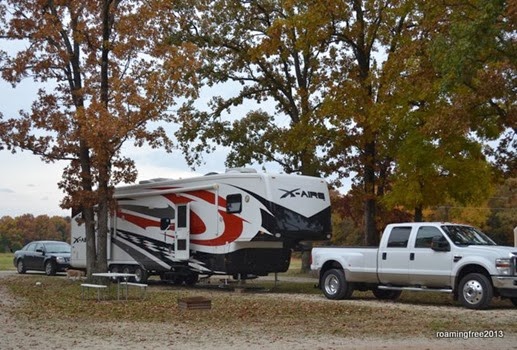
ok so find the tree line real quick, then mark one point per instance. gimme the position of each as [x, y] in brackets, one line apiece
[15, 232]
[414, 99]
[496, 216]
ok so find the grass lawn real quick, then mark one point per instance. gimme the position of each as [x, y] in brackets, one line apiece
[6, 262]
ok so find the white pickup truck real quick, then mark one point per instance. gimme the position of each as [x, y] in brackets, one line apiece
[425, 256]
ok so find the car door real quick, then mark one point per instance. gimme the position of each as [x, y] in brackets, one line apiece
[29, 256]
[39, 257]
[429, 267]
[394, 258]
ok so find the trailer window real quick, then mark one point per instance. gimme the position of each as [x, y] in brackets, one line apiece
[399, 237]
[234, 203]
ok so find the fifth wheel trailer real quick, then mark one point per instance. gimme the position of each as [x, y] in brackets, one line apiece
[240, 223]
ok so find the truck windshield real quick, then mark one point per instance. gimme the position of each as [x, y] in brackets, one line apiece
[466, 235]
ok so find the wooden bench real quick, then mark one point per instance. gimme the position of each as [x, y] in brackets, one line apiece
[142, 286]
[99, 287]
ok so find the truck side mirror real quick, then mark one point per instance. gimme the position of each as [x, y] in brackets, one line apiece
[440, 244]
[165, 223]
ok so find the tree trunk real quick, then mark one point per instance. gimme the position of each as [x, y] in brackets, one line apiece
[309, 168]
[370, 238]
[418, 213]
[87, 208]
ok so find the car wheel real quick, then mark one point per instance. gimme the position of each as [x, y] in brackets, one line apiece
[335, 285]
[475, 291]
[50, 268]
[20, 266]
[141, 275]
[386, 294]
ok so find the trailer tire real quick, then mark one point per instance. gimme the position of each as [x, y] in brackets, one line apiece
[386, 294]
[335, 286]
[128, 269]
[475, 291]
[141, 275]
[191, 279]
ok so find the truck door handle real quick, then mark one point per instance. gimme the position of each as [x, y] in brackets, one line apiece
[384, 255]
[412, 256]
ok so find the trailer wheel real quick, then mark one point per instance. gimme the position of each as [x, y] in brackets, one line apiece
[475, 291]
[191, 279]
[141, 275]
[386, 294]
[114, 269]
[128, 269]
[335, 285]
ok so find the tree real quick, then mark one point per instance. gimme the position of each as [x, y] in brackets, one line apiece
[355, 81]
[275, 51]
[503, 212]
[113, 73]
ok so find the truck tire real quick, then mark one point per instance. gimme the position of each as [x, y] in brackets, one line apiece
[386, 294]
[475, 291]
[335, 286]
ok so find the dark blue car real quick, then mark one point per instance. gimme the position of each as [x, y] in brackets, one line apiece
[48, 256]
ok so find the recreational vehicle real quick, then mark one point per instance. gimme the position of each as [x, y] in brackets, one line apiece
[239, 223]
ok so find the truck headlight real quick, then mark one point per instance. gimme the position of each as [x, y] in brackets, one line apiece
[504, 266]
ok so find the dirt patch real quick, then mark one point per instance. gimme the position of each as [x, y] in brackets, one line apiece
[16, 333]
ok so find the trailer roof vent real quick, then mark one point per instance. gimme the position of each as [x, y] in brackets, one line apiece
[242, 170]
[150, 181]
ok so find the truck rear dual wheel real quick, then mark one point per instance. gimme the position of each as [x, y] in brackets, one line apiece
[335, 286]
[475, 291]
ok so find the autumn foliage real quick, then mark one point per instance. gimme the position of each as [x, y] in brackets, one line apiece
[413, 99]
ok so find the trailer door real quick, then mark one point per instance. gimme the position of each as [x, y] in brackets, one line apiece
[182, 236]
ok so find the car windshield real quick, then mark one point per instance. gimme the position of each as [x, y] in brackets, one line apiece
[466, 235]
[57, 248]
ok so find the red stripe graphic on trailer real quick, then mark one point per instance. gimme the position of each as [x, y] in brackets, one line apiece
[233, 225]
[138, 220]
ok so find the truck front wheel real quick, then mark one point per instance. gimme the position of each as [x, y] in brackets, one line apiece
[335, 285]
[475, 291]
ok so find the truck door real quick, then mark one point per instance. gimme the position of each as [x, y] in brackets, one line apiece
[393, 259]
[182, 236]
[431, 268]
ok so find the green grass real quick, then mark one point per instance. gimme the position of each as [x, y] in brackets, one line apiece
[6, 261]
